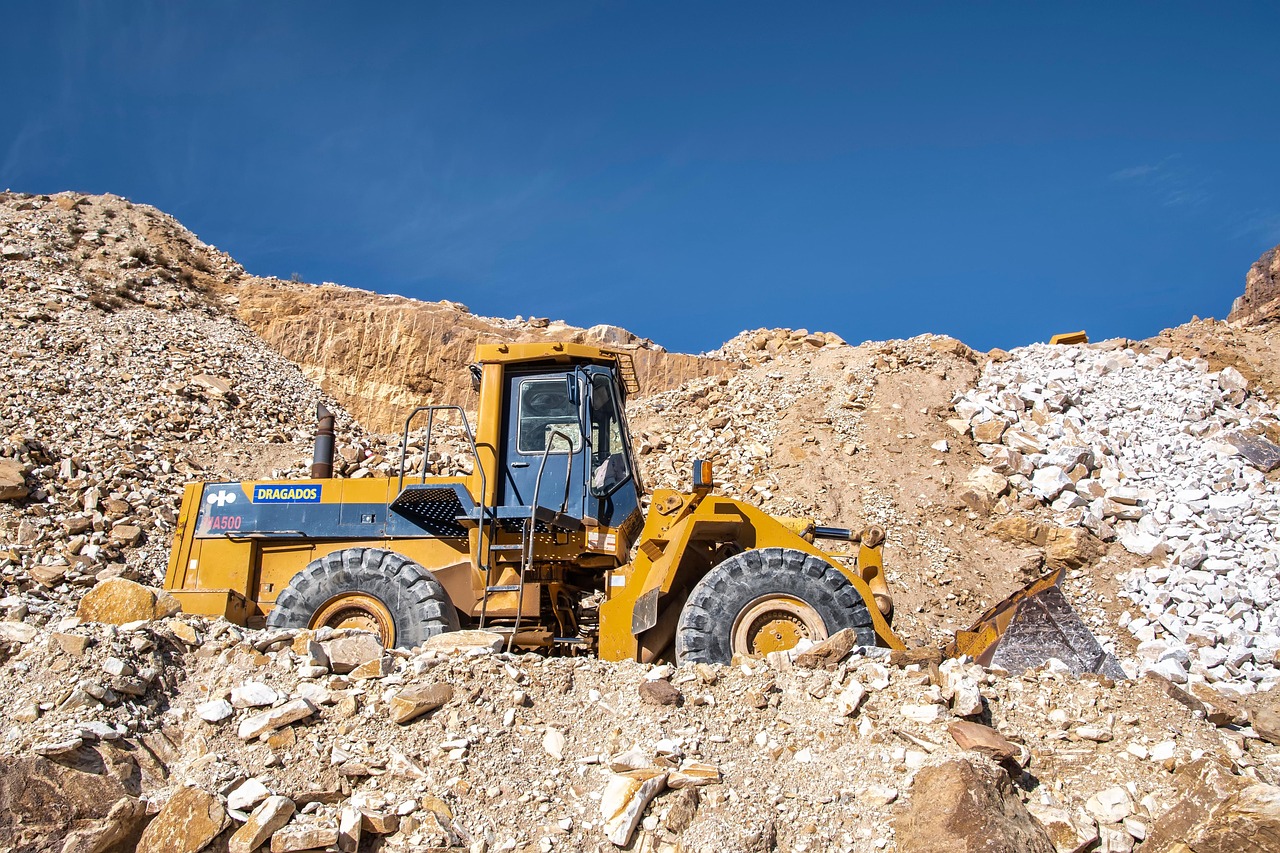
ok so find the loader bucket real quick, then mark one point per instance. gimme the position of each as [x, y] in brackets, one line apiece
[1030, 627]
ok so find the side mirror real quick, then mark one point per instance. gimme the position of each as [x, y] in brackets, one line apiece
[571, 381]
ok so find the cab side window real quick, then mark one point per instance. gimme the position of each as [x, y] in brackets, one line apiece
[608, 452]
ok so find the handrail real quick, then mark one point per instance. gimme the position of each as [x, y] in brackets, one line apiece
[426, 446]
[426, 453]
[568, 471]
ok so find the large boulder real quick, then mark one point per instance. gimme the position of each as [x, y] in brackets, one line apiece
[1071, 548]
[117, 601]
[188, 822]
[981, 489]
[1265, 717]
[89, 798]
[13, 481]
[348, 652]
[1219, 813]
[968, 806]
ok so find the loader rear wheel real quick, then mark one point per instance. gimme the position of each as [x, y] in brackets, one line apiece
[768, 600]
[371, 589]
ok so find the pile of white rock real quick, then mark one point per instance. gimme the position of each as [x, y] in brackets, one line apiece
[1135, 447]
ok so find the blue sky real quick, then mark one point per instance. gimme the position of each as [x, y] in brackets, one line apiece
[998, 172]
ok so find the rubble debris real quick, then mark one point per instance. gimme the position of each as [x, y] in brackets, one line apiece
[1144, 449]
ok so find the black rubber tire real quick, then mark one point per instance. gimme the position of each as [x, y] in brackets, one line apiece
[418, 603]
[704, 633]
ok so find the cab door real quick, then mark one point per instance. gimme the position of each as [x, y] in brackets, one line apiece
[544, 410]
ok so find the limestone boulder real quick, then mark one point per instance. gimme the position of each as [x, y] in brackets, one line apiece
[962, 806]
[271, 814]
[1265, 719]
[117, 601]
[412, 702]
[43, 802]
[13, 481]
[348, 652]
[984, 739]
[119, 830]
[1017, 528]
[624, 800]
[1071, 547]
[1246, 820]
[981, 489]
[187, 823]
[465, 641]
[828, 653]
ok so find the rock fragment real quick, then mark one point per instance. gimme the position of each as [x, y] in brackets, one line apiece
[247, 795]
[452, 642]
[253, 694]
[271, 814]
[624, 800]
[412, 702]
[829, 652]
[659, 692]
[984, 739]
[347, 653]
[1218, 812]
[215, 710]
[295, 839]
[17, 632]
[270, 720]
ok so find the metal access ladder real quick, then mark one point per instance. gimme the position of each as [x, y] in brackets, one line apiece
[529, 518]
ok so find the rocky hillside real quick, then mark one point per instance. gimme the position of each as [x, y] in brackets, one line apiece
[140, 358]
[1261, 298]
[383, 355]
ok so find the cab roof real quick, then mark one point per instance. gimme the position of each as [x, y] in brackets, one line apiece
[556, 352]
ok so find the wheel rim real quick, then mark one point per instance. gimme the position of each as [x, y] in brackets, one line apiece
[775, 623]
[357, 610]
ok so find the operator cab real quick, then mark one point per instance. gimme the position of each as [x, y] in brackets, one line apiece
[568, 424]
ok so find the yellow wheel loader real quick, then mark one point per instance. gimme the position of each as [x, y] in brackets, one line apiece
[544, 543]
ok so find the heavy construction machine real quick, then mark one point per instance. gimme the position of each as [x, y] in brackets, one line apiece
[545, 542]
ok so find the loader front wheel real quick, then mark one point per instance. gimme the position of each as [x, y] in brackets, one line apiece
[371, 589]
[768, 600]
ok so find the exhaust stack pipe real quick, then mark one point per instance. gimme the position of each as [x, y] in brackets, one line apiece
[322, 459]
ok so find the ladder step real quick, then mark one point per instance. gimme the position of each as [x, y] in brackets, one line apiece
[504, 588]
[506, 547]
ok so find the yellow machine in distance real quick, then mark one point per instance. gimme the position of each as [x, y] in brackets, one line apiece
[545, 542]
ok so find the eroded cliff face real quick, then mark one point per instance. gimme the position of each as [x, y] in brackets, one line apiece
[1261, 299]
[383, 355]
